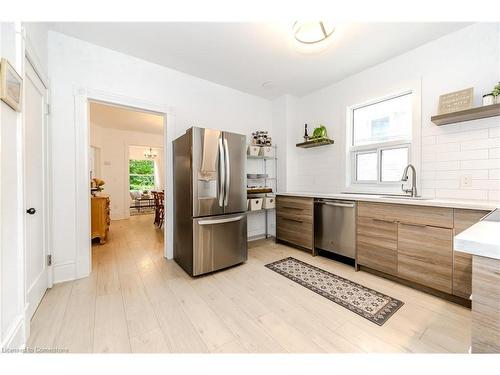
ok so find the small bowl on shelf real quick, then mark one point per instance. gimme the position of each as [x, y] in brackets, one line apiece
[256, 176]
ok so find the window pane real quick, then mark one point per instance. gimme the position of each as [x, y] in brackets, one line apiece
[141, 174]
[393, 163]
[384, 121]
[141, 167]
[366, 167]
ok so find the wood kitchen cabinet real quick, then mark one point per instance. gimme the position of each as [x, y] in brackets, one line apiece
[377, 244]
[462, 262]
[294, 221]
[425, 255]
[415, 243]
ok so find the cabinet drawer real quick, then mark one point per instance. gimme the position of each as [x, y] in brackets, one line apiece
[377, 244]
[425, 255]
[295, 204]
[294, 231]
[434, 216]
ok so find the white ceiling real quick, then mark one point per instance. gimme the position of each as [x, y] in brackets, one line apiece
[246, 55]
[109, 116]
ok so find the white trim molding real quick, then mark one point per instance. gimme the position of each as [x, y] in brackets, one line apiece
[82, 96]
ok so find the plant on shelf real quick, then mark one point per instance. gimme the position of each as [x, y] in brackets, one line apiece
[496, 90]
[319, 133]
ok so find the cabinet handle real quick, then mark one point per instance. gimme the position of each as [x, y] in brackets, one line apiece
[292, 208]
[385, 221]
[297, 221]
[414, 225]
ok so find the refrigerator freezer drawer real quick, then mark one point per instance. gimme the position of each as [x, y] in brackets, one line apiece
[219, 242]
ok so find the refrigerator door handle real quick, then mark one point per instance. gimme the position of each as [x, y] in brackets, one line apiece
[220, 221]
[222, 174]
[227, 176]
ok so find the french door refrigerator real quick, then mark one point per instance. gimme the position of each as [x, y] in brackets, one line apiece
[210, 202]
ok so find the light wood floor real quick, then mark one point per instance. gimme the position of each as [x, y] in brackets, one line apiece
[136, 301]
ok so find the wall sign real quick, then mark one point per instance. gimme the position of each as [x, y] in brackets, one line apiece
[456, 101]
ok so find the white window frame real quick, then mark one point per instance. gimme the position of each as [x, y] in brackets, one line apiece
[413, 143]
[383, 146]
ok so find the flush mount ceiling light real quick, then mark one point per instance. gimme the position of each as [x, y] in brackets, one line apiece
[312, 32]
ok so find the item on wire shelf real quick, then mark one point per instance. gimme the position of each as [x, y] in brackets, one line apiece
[256, 204]
[266, 151]
[261, 138]
[259, 190]
[269, 202]
[256, 176]
[253, 150]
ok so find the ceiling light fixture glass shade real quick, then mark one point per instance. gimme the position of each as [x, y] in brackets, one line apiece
[312, 32]
[150, 154]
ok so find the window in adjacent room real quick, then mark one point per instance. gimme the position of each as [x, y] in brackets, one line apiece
[380, 140]
[141, 175]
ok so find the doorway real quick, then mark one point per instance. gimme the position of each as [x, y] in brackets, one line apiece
[127, 170]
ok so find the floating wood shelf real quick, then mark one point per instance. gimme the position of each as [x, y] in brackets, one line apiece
[315, 143]
[467, 115]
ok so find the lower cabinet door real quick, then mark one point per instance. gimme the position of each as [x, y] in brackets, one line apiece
[425, 255]
[377, 244]
[297, 231]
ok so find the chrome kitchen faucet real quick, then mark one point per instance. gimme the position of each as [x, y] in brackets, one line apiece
[413, 190]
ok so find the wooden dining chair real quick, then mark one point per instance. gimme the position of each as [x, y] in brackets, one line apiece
[157, 207]
[161, 208]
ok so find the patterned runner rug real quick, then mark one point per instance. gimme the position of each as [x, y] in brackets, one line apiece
[370, 304]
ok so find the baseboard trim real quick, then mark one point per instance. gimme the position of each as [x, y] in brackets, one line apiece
[15, 338]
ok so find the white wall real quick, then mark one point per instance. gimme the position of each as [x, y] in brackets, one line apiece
[466, 58]
[193, 101]
[13, 325]
[114, 151]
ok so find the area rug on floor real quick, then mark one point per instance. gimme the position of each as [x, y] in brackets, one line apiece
[366, 302]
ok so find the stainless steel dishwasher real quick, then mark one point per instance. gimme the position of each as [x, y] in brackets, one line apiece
[335, 226]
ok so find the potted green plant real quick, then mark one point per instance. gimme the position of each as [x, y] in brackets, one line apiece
[496, 92]
[319, 133]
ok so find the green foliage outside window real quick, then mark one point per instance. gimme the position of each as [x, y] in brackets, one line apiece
[141, 174]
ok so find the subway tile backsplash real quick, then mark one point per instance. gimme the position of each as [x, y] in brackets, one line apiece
[462, 162]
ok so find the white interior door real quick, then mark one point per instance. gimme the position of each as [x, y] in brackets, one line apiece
[35, 107]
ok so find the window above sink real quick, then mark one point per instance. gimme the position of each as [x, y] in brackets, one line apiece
[382, 138]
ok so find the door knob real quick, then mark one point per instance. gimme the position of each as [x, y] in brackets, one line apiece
[31, 211]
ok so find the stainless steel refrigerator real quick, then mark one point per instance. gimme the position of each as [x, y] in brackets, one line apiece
[210, 223]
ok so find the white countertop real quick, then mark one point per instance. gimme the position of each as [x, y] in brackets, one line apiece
[482, 239]
[467, 204]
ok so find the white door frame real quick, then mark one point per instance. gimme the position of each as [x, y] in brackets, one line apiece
[82, 145]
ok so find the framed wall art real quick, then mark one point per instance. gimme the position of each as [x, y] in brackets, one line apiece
[11, 85]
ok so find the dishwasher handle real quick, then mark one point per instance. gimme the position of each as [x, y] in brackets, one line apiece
[337, 204]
